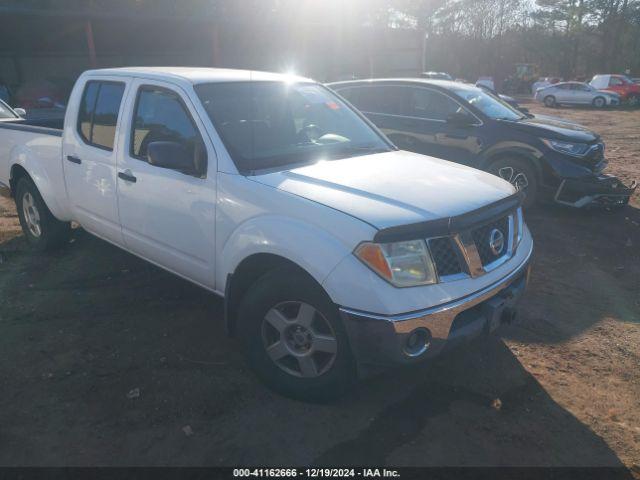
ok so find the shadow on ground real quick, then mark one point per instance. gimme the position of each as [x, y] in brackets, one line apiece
[107, 360]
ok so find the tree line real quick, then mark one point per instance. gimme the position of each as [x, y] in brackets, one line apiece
[467, 38]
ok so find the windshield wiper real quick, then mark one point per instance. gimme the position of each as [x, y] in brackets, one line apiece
[360, 150]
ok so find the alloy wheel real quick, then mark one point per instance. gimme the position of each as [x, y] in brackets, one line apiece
[514, 176]
[299, 339]
[31, 214]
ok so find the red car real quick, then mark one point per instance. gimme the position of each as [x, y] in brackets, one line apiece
[628, 90]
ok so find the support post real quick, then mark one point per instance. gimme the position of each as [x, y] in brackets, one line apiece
[88, 30]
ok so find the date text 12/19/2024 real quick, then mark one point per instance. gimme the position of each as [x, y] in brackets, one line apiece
[315, 473]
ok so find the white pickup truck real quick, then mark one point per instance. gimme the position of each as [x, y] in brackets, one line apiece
[336, 254]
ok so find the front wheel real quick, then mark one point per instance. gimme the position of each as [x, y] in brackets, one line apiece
[293, 337]
[550, 101]
[634, 100]
[518, 173]
[42, 230]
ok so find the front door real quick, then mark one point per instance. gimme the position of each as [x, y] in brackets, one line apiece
[582, 94]
[90, 154]
[428, 118]
[168, 216]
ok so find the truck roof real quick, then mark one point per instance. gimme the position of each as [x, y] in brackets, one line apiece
[195, 75]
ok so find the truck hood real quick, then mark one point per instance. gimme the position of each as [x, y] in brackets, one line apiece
[392, 188]
[547, 127]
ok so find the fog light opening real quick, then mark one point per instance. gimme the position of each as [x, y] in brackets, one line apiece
[417, 342]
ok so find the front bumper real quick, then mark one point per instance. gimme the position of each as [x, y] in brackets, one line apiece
[601, 190]
[382, 341]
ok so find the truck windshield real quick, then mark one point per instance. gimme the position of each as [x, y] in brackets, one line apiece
[488, 104]
[273, 124]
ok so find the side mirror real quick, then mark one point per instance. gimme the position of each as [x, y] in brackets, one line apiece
[171, 155]
[460, 119]
[524, 110]
[21, 112]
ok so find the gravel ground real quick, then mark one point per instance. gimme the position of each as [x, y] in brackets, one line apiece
[107, 360]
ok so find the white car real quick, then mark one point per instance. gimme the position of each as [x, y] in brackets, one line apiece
[541, 83]
[8, 114]
[334, 251]
[486, 82]
[576, 93]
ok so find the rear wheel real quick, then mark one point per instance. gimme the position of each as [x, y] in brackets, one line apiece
[599, 102]
[42, 230]
[520, 174]
[634, 100]
[550, 101]
[293, 337]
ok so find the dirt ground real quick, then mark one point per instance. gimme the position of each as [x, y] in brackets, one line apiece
[107, 360]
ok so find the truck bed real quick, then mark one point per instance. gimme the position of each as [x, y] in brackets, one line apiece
[45, 126]
[37, 146]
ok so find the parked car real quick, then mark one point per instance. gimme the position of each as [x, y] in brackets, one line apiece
[436, 75]
[486, 82]
[335, 252]
[544, 82]
[576, 93]
[7, 113]
[549, 160]
[628, 90]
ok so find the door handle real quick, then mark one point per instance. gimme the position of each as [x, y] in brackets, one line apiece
[127, 176]
[73, 159]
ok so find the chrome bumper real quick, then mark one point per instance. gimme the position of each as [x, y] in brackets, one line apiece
[380, 341]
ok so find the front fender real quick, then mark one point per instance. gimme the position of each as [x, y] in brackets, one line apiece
[513, 148]
[313, 249]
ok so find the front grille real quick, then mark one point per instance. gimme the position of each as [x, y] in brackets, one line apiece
[445, 256]
[482, 239]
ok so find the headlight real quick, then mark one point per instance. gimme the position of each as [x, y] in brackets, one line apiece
[403, 264]
[575, 149]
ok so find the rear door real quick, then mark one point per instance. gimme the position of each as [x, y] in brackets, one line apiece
[383, 105]
[167, 216]
[89, 156]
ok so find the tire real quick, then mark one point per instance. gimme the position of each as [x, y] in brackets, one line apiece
[634, 100]
[519, 173]
[42, 230]
[550, 101]
[301, 364]
[599, 102]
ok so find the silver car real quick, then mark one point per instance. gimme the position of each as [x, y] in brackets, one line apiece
[576, 93]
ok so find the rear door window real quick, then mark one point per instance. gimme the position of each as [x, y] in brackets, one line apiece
[98, 113]
[350, 94]
[384, 99]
